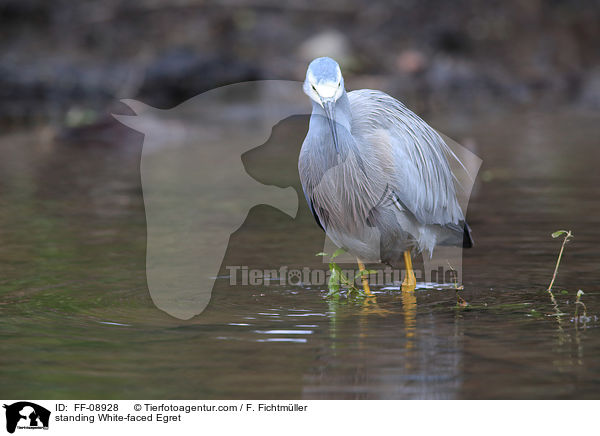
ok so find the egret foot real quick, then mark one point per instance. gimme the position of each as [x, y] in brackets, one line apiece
[365, 280]
[410, 282]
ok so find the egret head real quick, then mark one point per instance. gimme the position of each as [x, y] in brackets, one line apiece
[324, 85]
[324, 82]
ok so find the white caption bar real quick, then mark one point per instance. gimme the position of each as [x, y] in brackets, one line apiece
[293, 417]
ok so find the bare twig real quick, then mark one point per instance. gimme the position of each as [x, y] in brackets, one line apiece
[578, 303]
[556, 234]
[460, 301]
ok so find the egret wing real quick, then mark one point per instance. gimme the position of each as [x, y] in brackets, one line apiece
[415, 157]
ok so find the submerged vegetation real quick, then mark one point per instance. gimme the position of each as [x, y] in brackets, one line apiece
[339, 281]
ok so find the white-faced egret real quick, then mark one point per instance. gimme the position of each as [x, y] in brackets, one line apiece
[375, 175]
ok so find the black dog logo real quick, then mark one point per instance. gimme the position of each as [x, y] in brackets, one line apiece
[27, 415]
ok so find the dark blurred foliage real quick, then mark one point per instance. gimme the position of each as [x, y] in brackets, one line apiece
[67, 61]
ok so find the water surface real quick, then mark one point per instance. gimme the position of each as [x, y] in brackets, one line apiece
[77, 321]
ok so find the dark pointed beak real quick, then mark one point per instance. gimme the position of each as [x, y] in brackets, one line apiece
[329, 106]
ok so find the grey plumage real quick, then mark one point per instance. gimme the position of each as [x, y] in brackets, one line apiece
[375, 175]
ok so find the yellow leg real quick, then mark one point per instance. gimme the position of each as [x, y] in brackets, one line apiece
[365, 281]
[410, 282]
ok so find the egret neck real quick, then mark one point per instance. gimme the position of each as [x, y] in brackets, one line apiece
[336, 115]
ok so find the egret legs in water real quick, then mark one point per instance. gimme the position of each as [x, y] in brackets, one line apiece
[409, 283]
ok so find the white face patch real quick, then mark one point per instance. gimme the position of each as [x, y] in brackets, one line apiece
[327, 90]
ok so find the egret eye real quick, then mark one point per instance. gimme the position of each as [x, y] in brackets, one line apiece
[313, 87]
